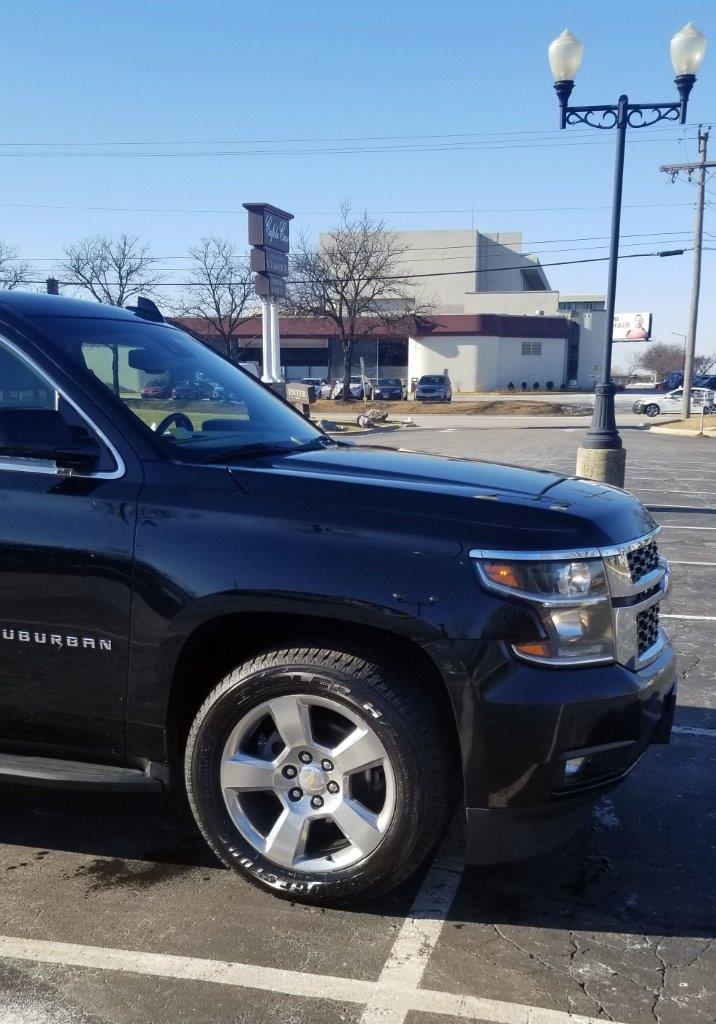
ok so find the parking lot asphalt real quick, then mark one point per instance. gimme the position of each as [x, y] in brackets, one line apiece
[113, 911]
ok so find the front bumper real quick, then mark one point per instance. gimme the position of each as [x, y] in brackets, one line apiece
[532, 722]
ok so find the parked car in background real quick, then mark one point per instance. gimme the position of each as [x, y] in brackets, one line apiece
[671, 402]
[251, 367]
[357, 388]
[156, 389]
[387, 388]
[187, 390]
[676, 380]
[434, 387]
[323, 388]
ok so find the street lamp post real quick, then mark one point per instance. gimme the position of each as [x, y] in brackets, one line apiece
[601, 455]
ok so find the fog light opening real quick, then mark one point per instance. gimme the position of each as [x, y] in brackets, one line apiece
[574, 766]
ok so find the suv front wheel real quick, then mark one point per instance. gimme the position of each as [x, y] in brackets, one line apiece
[320, 773]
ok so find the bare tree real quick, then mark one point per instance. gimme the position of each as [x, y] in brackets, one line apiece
[221, 290]
[354, 280]
[704, 363]
[14, 272]
[662, 358]
[112, 270]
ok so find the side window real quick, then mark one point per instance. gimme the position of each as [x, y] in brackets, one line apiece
[39, 429]
[21, 387]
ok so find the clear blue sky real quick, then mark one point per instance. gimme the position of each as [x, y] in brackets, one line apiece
[233, 73]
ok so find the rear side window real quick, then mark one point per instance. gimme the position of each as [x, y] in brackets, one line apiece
[21, 387]
[30, 408]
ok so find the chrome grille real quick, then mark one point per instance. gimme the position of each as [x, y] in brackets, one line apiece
[647, 629]
[643, 560]
[638, 582]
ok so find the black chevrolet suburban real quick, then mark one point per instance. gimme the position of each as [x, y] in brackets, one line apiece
[327, 646]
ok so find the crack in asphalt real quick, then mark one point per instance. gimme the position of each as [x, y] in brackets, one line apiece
[663, 969]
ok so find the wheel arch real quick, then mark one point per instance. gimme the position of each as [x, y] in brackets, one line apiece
[234, 637]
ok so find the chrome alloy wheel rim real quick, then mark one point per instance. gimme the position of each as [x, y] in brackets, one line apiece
[308, 783]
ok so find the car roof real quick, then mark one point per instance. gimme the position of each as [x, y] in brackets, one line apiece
[35, 304]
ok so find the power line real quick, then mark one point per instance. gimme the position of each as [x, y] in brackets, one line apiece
[333, 151]
[334, 213]
[405, 257]
[411, 277]
[680, 130]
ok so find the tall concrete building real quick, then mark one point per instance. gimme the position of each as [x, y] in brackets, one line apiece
[470, 272]
[451, 266]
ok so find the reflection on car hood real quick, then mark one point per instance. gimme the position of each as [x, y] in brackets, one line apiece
[491, 504]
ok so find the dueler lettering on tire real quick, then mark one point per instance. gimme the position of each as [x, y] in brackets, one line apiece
[320, 772]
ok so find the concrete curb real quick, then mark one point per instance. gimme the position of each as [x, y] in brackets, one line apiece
[680, 432]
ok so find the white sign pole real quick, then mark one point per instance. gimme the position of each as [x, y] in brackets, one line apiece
[267, 352]
[275, 341]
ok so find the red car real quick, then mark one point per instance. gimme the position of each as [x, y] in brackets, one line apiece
[156, 389]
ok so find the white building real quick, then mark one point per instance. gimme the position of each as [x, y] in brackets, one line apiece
[472, 272]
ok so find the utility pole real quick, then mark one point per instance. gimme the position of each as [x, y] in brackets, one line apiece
[701, 166]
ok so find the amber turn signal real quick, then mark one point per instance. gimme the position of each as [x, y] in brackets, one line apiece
[502, 573]
[537, 650]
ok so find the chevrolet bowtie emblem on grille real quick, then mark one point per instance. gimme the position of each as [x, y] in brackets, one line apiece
[61, 640]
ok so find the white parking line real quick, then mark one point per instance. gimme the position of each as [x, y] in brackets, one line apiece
[673, 561]
[672, 526]
[691, 618]
[291, 983]
[419, 933]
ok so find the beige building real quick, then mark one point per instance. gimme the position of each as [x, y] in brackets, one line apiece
[474, 272]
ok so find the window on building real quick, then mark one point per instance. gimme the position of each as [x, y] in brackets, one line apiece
[580, 306]
[531, 348]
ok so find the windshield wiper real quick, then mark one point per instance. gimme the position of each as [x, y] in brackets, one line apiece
[268, 448]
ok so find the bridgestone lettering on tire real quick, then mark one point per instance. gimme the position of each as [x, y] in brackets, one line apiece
[321, 773]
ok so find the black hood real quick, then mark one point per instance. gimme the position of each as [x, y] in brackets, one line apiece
[480, 503]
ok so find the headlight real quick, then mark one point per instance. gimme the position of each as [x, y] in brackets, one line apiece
[571, 598]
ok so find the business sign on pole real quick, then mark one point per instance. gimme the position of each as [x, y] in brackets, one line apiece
[268, 226]
[269, 236]
[632, 327]
[269, 261]
[269, 287]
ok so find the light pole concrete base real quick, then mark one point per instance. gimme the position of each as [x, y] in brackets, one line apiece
[606, 465]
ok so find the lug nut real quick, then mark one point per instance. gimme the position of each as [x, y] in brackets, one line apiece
[295, 794]
[327, 765]
[289, 772]
[332, 787]
[316, 801]
[305, 757]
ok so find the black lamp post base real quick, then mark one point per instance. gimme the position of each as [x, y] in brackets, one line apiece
[601, 456]
[603, 431]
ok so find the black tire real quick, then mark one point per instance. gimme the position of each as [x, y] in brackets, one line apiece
[651, 410]
[405, 718]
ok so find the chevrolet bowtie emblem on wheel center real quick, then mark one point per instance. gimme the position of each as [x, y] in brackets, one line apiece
[312, 780]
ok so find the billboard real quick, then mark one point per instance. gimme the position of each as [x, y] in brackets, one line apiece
[632, 327]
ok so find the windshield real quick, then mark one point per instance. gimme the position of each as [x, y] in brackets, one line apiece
[432, 380]
[388, 382]
[198, 402]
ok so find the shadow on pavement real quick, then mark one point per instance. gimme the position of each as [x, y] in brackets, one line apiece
[643, 865]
